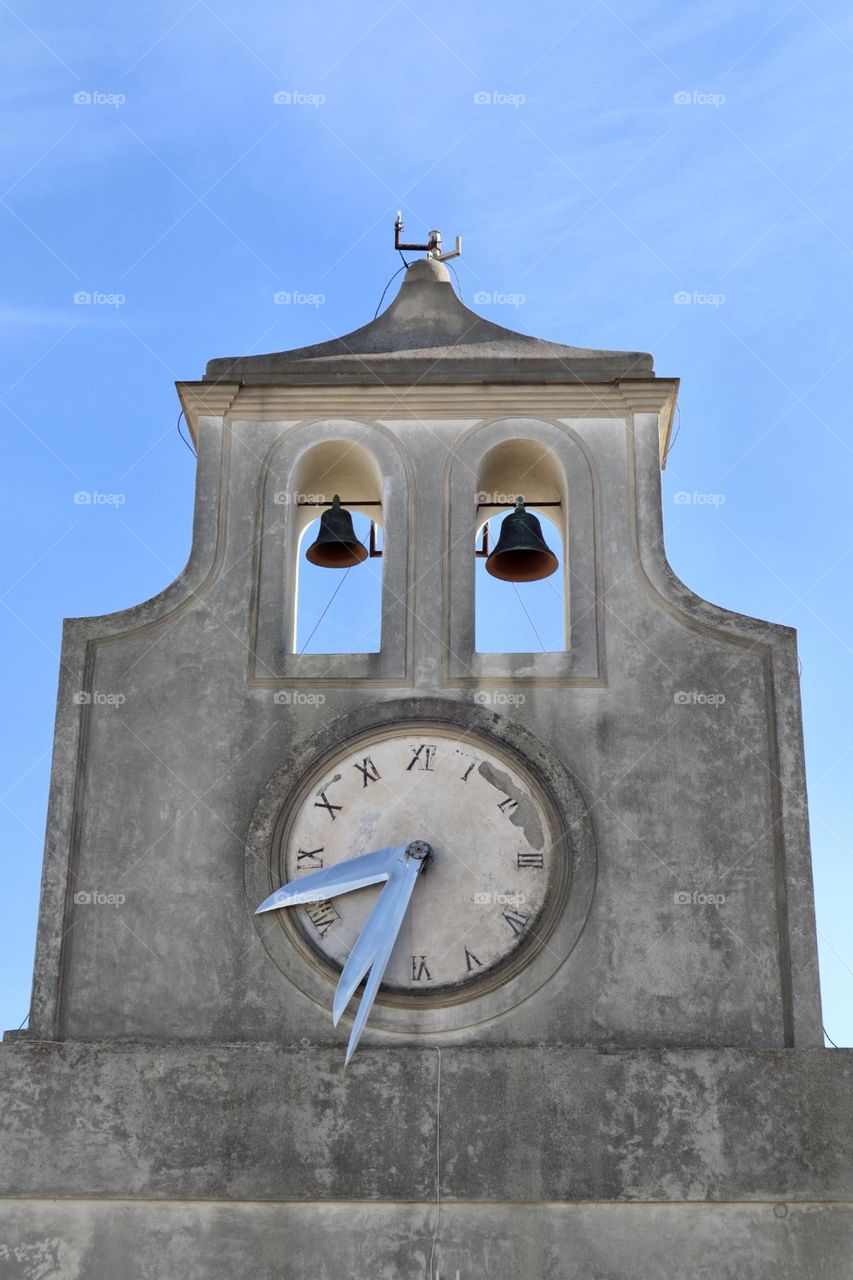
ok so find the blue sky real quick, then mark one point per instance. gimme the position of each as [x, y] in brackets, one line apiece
[626, 153]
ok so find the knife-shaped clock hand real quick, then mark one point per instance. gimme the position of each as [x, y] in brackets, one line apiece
[355, 873]
[377, 937]
[400, 865]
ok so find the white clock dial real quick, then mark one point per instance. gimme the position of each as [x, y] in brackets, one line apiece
[487, 894]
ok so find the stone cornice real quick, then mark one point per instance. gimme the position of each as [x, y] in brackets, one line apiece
[469, 401]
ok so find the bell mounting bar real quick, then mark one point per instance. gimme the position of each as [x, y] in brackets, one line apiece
[433, 246]
[530, 503]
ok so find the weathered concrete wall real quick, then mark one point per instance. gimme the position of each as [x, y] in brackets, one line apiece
[154, 1162]
[215, 1241]
[524, 1125]
[152, 799]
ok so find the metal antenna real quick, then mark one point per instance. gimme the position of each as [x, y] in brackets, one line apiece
[433, 245]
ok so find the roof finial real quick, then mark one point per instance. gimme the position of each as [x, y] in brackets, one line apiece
[433, 245]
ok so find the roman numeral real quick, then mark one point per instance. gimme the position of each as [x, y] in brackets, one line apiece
[325, 803]
[307, 858]
[368, 771]
[420, 971]
[422, 757]
[516, 920]
[471, 961]
[323, 915]
[530, 858]
[467, 774]
[506, 806]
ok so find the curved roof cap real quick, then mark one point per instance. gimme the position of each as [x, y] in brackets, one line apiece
[428, 336]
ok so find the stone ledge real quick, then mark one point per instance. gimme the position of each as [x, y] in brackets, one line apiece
[240, 1122]
[137, 1240]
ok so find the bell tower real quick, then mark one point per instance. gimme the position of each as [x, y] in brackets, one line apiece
[431, 959]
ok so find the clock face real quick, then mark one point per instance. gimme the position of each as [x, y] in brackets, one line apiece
[495, 880]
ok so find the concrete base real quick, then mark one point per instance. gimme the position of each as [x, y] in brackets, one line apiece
[84, 1240]
[182, 1161]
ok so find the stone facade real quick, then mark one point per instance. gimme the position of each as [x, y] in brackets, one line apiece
[659, 1107]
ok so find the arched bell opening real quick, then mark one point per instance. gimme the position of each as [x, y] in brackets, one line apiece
[337, 566]
[521, 551]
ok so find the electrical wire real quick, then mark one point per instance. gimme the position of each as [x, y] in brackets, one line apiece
[405, 267]
[326, 610]
[183, 437]
[330, 600]
[388, 286]
[829, 1038]
[529, 619]
[671, 445]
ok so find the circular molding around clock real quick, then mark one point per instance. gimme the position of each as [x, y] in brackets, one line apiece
[512, 952]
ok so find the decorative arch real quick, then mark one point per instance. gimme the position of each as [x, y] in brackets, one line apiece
[546, 461]
[528, 469]
[304, 468]
[348, 469]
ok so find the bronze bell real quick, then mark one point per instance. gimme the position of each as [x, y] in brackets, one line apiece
[522, 554]
[336, 546]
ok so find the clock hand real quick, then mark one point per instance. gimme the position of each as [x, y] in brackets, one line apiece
[400, 865]
[378, 938]
[355, 873]
[386, 916]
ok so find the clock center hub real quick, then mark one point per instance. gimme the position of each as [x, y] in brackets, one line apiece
[419, 849]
